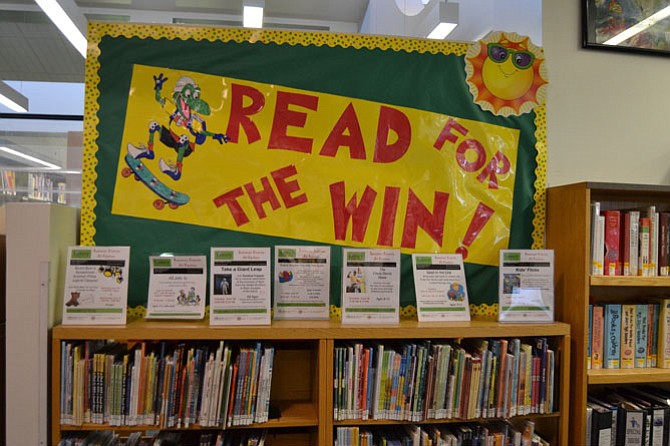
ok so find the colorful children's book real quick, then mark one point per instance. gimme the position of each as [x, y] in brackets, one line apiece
[612, 336]
[641, 329]
[663, 360]
[644, 261]
[597, 341]
[612, 266]
[627, 351]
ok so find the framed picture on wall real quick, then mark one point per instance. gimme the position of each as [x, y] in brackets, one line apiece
[641, 26]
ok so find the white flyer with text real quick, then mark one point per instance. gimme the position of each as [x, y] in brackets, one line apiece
[370, 286]
[96, 285]
[526, 285]
[302, 282]
[240, 286]
[441, 291]
[177, 286]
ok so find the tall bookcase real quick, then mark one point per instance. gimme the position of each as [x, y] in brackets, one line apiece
[302, 383]
[568, 233]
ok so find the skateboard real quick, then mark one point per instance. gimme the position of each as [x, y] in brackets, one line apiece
[167, 196]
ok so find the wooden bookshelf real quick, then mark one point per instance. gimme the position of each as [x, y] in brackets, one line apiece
[568, 234]
[303, 367]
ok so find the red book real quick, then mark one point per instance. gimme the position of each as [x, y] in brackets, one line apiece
[535, 396]
[612, 266]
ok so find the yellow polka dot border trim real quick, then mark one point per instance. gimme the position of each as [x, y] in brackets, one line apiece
[539, 209]
[477, 312]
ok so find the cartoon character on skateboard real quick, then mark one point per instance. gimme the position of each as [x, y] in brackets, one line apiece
[167, 195]
[186, 110]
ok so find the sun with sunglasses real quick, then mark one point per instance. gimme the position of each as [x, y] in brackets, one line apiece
[506, 74]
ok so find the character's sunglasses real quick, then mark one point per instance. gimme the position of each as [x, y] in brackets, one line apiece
[520, 59]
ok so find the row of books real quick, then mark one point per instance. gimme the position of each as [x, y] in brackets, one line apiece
[627, 336]
[8, 182]
[630, 242]
[630, 416]
[167, 438]
[102, 438]
[498, 433]
[165, 384]
[476, 378]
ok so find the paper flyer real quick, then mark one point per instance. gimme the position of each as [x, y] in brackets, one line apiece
[177, 286]
[370, 286]
[302, 282]
[96, 285]
[441, 290]
[240, 286]
[526, 286]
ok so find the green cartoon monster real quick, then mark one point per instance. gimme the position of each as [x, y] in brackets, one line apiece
[186, 110]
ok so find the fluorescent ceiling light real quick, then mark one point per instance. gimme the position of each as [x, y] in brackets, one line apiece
[639, 27]
[448, 20]
[253, 14]
[12, 99]
[28, 157]
[442, 30]
[65, 23]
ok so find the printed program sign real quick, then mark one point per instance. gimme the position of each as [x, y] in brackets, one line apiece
[302, 282]
[240, 286]
[370, 286]
[526, 286]
[96, 285]
[441, 290]
[177, 287]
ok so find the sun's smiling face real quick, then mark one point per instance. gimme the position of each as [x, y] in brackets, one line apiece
[505, 74]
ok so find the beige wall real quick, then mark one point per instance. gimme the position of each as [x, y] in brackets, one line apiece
[608, 113]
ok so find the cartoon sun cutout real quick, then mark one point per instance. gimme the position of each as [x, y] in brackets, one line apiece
[506, 74]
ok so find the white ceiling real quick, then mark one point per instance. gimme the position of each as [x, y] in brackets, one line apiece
[32, 49]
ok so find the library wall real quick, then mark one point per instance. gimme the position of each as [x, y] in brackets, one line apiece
[601, 104]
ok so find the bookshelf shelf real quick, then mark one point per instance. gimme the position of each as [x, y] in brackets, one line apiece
[625, 281]
[628, 376]
[439, 421]
[302, 380]
[568, 234]
[293, 414]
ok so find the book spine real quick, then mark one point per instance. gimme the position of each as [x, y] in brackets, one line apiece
[641, 329]
[625, 244]
[663, 244]
[644, 261]
[663, 360]
[589, 338]
[612, 243]
[612, 336]
[628, 329]
[597, 342]
[595, 246]
[653, 241]
[634, 243]
[654, 321]
[601, 246]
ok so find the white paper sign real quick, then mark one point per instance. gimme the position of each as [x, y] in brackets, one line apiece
[526, 286]
[177, 286]
[370, 286]
[96, 285]
[441, 291]
[302, 282]
[240, 286]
